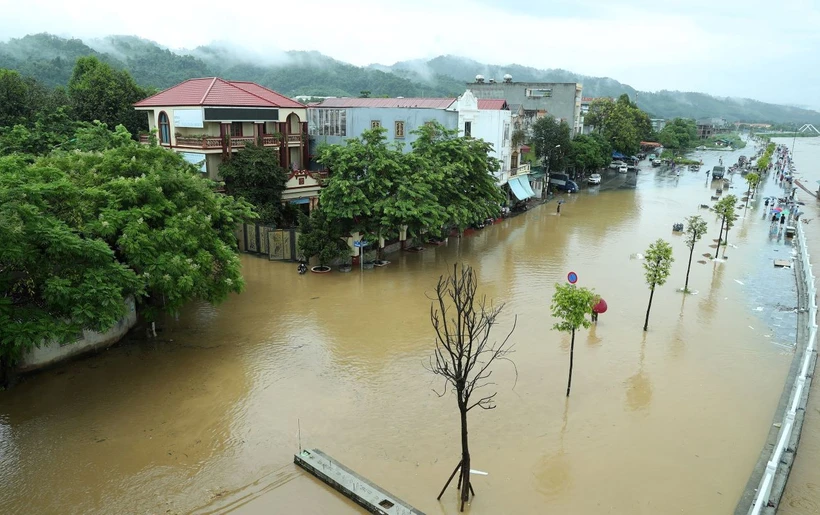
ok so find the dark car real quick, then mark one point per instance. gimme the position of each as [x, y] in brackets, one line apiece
[718, 172]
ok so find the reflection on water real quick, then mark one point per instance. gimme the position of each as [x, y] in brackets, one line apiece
[209, 416]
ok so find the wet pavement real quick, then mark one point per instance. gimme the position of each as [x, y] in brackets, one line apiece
[206, 419]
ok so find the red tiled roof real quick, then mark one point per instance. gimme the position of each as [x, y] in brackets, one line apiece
[213, 91]
[421, 103]
[492, 103]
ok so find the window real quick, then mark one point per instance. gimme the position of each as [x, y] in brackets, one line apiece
[468, 129]
[327, 122]
[164, 129]
[375, 124]
[399, 129]
[506, 132]
[236, 129]
[538, 93]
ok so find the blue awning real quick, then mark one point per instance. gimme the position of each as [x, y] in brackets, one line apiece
[518, 189]
[300, 201]
[525, 181]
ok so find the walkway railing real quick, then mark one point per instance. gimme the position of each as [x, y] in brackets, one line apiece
[764, 491]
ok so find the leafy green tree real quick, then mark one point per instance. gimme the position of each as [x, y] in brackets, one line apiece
[657, 266]
[620, 122]
[571, 305]
[588, 153]
[14, 109]
[319, 236]
[461, 173]
[695, 229]
[98, 92]
[752, 179]
[162, 220]
[55, 279]
[255, 175]
[552, 141]
[679, 135]
[725, 209]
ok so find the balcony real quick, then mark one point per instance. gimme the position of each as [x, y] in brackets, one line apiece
[215, 142]
[523, 169]
[294, 139]
[145, 139]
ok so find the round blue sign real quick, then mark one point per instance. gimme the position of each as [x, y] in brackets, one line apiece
[572, 277]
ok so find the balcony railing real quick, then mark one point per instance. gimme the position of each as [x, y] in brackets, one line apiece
[145, 139]
[525, 168]
[215, 142]
[294, 138]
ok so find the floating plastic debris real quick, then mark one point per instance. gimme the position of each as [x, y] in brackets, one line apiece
[739, 282]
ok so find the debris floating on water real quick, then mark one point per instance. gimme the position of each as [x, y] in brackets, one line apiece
[739, 282]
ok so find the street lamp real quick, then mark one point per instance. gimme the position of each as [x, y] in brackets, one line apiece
[547, 174]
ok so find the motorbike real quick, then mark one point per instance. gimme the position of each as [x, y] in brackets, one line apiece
[302, 268]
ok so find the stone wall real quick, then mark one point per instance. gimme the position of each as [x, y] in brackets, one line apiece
[53, 352]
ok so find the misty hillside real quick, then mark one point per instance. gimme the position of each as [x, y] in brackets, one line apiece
[50, 59]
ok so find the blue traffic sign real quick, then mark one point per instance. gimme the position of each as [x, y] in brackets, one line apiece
[572, 277]
[359, 243]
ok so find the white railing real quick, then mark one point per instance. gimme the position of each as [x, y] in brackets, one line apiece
[764, 491]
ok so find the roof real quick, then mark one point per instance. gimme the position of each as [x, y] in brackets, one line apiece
[213, 91]
[418, 103]
[515, 107]
[492, 104]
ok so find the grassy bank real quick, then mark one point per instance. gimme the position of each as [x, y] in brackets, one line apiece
[732, 137]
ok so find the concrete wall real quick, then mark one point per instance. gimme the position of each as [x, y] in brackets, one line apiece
[564, 102]
[53, 352]
[491, 125]
[360, 119]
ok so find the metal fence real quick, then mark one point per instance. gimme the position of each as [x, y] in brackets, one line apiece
[277, 244]
[787, 427]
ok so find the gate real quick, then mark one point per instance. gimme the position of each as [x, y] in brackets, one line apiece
[281, 244]
[278, 244]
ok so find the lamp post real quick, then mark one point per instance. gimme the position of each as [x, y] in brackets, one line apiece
[547, 174]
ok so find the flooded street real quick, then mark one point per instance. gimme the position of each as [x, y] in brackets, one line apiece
[207, 418]
[802, 495]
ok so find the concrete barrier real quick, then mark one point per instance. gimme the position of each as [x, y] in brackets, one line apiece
[53, 352]
[769, 489]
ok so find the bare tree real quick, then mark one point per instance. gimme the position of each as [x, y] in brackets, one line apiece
[464, 353]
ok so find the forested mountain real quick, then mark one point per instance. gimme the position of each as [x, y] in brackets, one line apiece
[50, 59]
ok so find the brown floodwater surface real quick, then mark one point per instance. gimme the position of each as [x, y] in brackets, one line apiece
[207, 417]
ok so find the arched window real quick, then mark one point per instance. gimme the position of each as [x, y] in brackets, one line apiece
[164, 129]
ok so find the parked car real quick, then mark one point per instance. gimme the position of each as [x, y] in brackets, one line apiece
[623, 169]
[656, 162]
[595, 178]
[616, 164]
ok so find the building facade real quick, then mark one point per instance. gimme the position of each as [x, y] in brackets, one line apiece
[561, 100]
[207, 120]
[335, 120]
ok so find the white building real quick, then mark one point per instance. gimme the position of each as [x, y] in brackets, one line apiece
[489, 120]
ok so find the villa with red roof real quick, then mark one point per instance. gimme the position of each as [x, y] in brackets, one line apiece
[207, 120]
[335, 120]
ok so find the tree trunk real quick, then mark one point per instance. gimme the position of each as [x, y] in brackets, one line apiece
[720, 237]
[688, 268]
[465, 454]
[726, 244]
[571, 357]
[651, 294]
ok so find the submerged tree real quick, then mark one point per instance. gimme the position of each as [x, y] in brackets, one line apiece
[464, 353]
[255, 175]
[657, 266]
[752, 179]
[695, 229]
[571, 305]
[725, 209]
[322, 238]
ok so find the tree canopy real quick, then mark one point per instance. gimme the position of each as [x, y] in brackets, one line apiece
[679, 135]
[620, 122]
[255, 175]
[81, 230]
[552, 141]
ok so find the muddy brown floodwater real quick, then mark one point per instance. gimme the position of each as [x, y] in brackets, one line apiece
[206, 418]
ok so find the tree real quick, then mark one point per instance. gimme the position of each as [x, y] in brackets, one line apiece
[55, 279]
[320, 237]
[571, 305]
[255, 175]
[620, 122]
[518, 138]
[98, 92]
[725, 209]
[461, 173]
[588, 153]
[464, 353]
[679, 135]
[657, 266]
[752, 179]
[552, 141]
[695, 229]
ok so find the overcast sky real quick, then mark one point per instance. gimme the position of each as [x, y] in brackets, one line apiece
[767, 50]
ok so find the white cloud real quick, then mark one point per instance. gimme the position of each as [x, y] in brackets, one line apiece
[734, 47]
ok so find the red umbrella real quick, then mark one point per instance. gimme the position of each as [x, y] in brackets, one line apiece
[600, 307]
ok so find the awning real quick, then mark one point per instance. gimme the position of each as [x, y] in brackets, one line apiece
[519, 190]
[299, 201]
[527, 187]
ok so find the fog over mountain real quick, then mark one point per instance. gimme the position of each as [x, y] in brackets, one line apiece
[50, 59]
